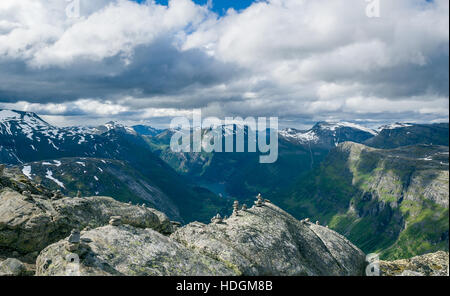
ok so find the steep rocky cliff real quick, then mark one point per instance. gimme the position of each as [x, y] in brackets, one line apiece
[390, 201]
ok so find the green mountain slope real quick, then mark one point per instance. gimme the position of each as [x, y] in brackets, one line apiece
[398, 135]
[241, 176]
[394, 202]
[103, 177]
[120, 180]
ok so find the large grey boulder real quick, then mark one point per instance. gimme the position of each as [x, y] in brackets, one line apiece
[259, 241]
[12, 267]
[267, 241]
[29, 225]
[126, 250]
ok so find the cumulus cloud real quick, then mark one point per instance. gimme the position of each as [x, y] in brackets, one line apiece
[299, 60]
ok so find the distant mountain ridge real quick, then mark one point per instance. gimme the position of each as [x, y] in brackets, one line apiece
[398, 135]
[26, 138]
[184, 179]
[329, 134]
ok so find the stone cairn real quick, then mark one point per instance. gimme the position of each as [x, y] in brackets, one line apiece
[57, 195]
[235, 207]
[305, 221]
[244, 207]
[78, 193]
[115, 221]
[2, 169]
[217, 219]
[175, 224]
[259, 200]
[73, 241]
[27, 195]
[317, 223]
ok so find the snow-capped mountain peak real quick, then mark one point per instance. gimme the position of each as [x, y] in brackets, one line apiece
[308, 136]
[394, 126]
[328, 134]
[112, 125]
[28, 123]
[332, 126]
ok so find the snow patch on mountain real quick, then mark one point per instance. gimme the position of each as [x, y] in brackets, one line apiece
[49, 175]
[26, 170]
[301, 136]
[394, 126]
[335, 125]
[8, 114]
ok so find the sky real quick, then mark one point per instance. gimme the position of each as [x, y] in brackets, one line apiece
[300, 60]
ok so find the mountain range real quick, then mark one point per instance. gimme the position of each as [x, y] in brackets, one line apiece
[385, 189]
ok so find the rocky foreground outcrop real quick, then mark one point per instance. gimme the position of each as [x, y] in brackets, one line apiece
[29, 223]
[55, 235]
[259, 241]
[266, 240]
[433, 264]
[126, 250]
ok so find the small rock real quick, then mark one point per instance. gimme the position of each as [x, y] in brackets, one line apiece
[115, 221]
[57, 195]
[86, 240]
[12, 267]
[259, 200]
[74, 237]
[235, 207]
[217, 219]
[72, 247]
[410, 273]
[27, 195]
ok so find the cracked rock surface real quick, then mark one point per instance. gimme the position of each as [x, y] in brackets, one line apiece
[268, 241]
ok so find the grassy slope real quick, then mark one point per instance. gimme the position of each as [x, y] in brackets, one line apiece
[363, 199]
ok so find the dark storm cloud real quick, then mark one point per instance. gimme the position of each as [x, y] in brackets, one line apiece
[299, 60]
[156, 69]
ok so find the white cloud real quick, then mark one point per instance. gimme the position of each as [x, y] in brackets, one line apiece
[309, 58]
[117, 30]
